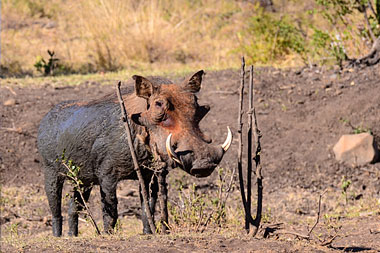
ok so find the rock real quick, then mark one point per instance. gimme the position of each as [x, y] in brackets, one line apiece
[10, 102]
[356, 149]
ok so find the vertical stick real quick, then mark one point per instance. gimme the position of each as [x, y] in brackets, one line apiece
[134, 158]
[257, 135]
[163, 199]
[249, 136]
[240, 136]
[161, 167]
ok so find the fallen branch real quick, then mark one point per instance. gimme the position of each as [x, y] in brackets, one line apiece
[292, 233]
[308, 235]
[134, 158]
[17, 130]
[11, 90]
[329, 242]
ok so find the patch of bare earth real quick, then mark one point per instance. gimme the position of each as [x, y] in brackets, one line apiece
[301, 114]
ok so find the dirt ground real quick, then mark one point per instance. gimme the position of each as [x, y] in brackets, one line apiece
[301, 114]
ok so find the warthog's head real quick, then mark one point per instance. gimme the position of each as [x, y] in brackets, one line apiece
[172, 122]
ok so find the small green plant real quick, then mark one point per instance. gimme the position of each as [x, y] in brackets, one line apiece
[266, 217]
[190, 211]
[14, 228]
[284, 108]
[73, 175]
[356, 129]
[345, 184]
[327, 46]
[194, 211]
[341, 15]
[271, 38]
[360, 129]
[47, 67]
[118, 226]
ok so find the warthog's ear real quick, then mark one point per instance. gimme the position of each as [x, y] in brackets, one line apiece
[193, 84]
[143, 87]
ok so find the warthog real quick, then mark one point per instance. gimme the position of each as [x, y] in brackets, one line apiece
[164, 118]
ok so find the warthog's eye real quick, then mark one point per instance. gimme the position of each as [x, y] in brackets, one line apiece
[158, 104]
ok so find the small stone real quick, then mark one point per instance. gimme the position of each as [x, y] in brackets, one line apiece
[327, 85]
[10, 102]
[356, 149]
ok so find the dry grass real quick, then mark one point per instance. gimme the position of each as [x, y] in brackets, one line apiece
[29, 224]
[96, 36]
[109, 35]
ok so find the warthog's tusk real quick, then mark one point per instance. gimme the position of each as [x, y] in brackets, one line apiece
[226, 145]
[170, 151]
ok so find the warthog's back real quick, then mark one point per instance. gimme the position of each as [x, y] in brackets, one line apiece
[92, 135]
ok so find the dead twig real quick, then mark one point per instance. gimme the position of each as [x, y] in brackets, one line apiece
[134, 158]
[223, 92]
[319, 213]
[329, 242]
[11, 90]
[17, 130]
[292, 233]
[229, 186]
[308, 235]
[207, 221]
[374, 232]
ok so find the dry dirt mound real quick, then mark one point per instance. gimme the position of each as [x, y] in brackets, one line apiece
[301, 115]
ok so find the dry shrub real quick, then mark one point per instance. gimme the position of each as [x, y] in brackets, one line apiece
[205, 208]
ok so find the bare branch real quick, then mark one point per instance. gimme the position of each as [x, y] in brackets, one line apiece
[134, 158]
[240, 150]
[319, 213]
[293, 233]
[259, 178]
[249, 148]
[373, 38]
